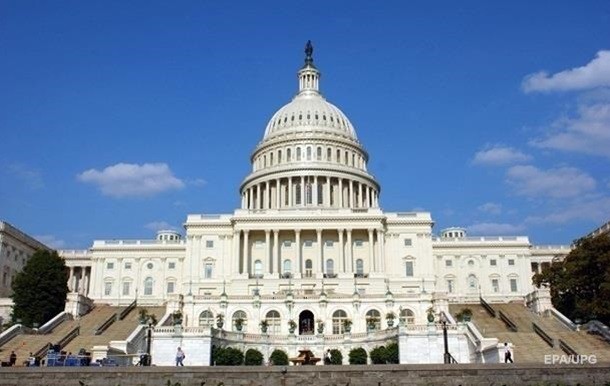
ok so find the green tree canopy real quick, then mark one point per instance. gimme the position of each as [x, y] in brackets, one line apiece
[580, 284]
[39, 291]
[358, 356]
[253, 357]
[279, 357]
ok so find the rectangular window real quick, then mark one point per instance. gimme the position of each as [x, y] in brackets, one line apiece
[107, 288]
[171, 265]
[170, 287]
[358, 242]
[329, 243]
[492, 262]
[109, 265]
[513, 285]
[495, 285]
[209, 243]
[128, 265]
[450, 286]
[208, 271]
[511, 261]
[126, 288]
[448, 263]
[287, 243]
[408, 242]
[308, 243]
[409, 268]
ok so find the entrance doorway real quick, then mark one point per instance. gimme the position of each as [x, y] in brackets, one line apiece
[306, 323]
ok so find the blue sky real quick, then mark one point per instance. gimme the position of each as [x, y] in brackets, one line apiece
[117, 118]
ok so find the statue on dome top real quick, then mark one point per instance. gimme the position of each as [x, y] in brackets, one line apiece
[308, 52]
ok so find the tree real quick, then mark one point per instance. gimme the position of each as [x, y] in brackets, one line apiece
[227, 356]
[392, 353]
[336, 358]
[379, 355]
[279, 357]
[357, 356]
[39, 291]
[253, 357]
[580, 284]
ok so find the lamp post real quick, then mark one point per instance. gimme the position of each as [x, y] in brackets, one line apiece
[446, 355]
[148, 344]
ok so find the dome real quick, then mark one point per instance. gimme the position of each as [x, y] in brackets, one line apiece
[307, 112]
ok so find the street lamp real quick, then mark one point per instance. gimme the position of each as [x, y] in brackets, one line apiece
[446, 355]
[148, 344]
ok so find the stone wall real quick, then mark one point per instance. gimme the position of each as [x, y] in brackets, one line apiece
[390, 375]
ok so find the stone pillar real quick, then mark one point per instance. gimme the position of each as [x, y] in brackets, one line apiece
[246, 258]
[381, 241]
[341, 251]
[275, 259]
[267, 250]
[320, 265]
[278, 193]
[351, 193]
[290, 193]
[235, 260]
[297, 239]
[340, 195]
[350, 250]
[258, 196]
[327, 193]
[267, 204]
[71, 280]
[372, 251]
[303, 198]
[360, 198]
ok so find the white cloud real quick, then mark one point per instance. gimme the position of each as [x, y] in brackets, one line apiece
[499, 155]
[160, 225]
[123, 180]
[51, 241]
[492, 228]
[590, 209]
[594, 74]
[562, 182]
[32, 178]
[197, 182]
[490, 207]
[588, 132]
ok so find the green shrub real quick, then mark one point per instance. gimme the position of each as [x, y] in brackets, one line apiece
[279, 358]
[336, 358]
[392, 353]
[253, 358]
[228, 356]
[357, 356]
[379, 355]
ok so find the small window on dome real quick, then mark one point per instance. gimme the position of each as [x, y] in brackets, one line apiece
[292, 118]
[298, 153]
[328, 154]
[300, 117]
[338, 155]
[308, 153]
[319, 154]
[331, 118]
[308, 116]
[285, 119]
[316, 117]
[288, 155]
[323, 117]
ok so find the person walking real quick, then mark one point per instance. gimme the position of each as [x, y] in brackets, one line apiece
[508, 355]
[180, 357]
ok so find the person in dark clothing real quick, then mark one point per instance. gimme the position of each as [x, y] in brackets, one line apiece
[12, 358]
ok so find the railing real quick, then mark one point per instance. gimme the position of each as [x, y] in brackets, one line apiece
[546, 337]
[567, 348]
[56, 321]
[127, 310]
[135, 341]
[597, 327]
[561, 318]
[61, 343]
[107, 323]
[509, 323]
[487, 307]
[10, 333]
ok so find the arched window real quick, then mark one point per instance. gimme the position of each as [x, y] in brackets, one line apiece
[298, 153]
[258, 268]
[297, 193]
[287, 266]
[308, 193]
[288, 155]
[148, 286]
[346, 158]
[271, 159]
[264, 160]
[406, 317]
[330, 266]
[373, 320]
[274, 322]
[473, 283]
[339, 318]
[353, 159]
[308, 153]
[319, 153]
[338, 158]
[206, 318]
[328, 154]
[320, 193]
[239, 316]
[308, 268]
[359, 267]
[279, 156]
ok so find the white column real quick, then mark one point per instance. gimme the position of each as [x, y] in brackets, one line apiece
[235, 258]
[246, 257]
[274, 260]
[71, 280]
[267, 204]
[258, 196]
[381, 242]
[341, 251]
[351, 193]
[278, 193]
[349, 248]
[290, 202]
[327, 193]
[320, 263]
[297, 239]
[372, 251]
[303, 198]
[267, 251]
[340, 195]
[314, 191]
[360, 195]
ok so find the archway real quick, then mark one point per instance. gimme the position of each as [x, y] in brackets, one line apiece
[306, 323]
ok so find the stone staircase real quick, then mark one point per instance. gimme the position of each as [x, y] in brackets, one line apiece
[119, 330]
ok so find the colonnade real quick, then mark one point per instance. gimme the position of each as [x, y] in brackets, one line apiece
[79, 279]
[310, 191]
[372, 261]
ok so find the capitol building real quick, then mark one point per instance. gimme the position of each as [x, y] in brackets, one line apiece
[310, 259]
